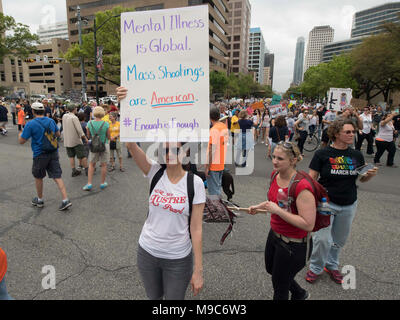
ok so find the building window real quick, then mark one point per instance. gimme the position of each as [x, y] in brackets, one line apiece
[21, 77]
[3, 76]
[236, 38]
[12, 61]
[14, 76]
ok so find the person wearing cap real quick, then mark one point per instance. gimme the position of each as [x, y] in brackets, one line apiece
[43, 162]
[217, 146]
[73, 136]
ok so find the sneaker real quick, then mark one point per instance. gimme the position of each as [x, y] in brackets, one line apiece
[104, 185]
[65, 205]
[37, 203]
[88, 187]
[335, 275]
[75, 173]
[311, 277]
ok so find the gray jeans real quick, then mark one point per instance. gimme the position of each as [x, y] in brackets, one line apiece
[164, 277]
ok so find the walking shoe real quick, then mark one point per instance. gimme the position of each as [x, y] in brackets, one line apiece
[37, 203]
[306, 295]
[104, 185]
[311, 277]
[75, 173]
[335, 275]
[88, 187]
[65, 205]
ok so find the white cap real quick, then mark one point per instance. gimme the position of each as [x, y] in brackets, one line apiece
[38, 106]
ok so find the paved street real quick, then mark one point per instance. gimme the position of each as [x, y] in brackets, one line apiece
[93, 245]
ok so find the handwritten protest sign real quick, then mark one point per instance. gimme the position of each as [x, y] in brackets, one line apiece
[257, 105]
[339, 98]
[165, 67]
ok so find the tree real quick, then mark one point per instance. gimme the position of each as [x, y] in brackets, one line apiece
[376, 65]
[17, 40]
[218, 82]
[334, 74]
[109, 37]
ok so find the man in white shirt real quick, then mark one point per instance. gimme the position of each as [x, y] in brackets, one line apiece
[366, 132]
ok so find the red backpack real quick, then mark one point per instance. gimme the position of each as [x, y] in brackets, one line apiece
[319, 192]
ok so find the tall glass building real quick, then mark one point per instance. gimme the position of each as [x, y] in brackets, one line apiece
[299, 61]
[257, 54]
[365, 23]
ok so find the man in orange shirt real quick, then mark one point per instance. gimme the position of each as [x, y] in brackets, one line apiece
[216, 153]
[3, 269]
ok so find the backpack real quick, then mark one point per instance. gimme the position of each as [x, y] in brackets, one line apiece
[49, 140]
[214, 210]
[97, 146]
[319, 192]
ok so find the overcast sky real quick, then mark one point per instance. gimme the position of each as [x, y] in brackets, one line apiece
[281, 21]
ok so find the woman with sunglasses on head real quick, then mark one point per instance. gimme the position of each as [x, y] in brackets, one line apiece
[336, 167]
[286, 248]
[165, 258]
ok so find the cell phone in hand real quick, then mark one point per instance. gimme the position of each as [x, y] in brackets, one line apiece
[364, 169]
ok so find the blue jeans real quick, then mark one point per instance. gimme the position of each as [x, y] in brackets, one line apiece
[214, 181]
[164, 278]
[3, 291]
[328, 242]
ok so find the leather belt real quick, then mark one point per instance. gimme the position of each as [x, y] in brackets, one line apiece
[287, 239]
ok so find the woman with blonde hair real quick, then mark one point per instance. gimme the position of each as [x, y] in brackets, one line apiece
[286, 248]
[100, 128]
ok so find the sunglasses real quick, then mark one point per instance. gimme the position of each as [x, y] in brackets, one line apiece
[287, 145]
[350, 132]
[173, 150]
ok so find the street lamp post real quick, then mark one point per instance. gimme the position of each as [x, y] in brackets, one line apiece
[96, 73]
[83, 74]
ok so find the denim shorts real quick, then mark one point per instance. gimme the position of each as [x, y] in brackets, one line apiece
[47, 162]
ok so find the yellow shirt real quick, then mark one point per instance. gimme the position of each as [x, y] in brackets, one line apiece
[107, 118]
[114, 129]
[235, 124]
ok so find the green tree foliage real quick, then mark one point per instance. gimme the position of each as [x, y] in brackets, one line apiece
[109, 37]
[334, 74]
[376, 64]
[18, 41]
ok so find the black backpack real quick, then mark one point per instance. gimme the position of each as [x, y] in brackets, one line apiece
[49, 140]
[97, 146]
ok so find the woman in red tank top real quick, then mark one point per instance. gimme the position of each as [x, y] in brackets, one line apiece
[285, 252]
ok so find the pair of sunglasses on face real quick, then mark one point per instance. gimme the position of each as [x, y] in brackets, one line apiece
[173, 150]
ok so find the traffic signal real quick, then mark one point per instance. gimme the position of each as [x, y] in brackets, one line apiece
[54, 61]
[29, 60]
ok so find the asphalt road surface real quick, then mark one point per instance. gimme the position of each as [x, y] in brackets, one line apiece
[93, 245]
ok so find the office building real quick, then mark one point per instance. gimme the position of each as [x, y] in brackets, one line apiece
[269, 60]
[318, 37]
[369, 22]
[299, 61]
[50, 31]
[239, 35]
[218, 29]
[257, 54]
[365, 23]
[48, 70]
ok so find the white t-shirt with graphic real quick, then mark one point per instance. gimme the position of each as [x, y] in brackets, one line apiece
[367, 123]
[165, 233]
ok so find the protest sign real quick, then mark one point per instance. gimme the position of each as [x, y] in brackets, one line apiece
[165, 67]
[276, 100]
[257, 105]
[339, 98]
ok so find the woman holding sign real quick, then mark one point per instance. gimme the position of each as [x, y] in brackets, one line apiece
[171, 231]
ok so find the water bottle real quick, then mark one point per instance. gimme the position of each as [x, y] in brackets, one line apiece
[282, 199]
[324, 208]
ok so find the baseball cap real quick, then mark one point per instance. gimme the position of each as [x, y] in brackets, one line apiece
[38, 106]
